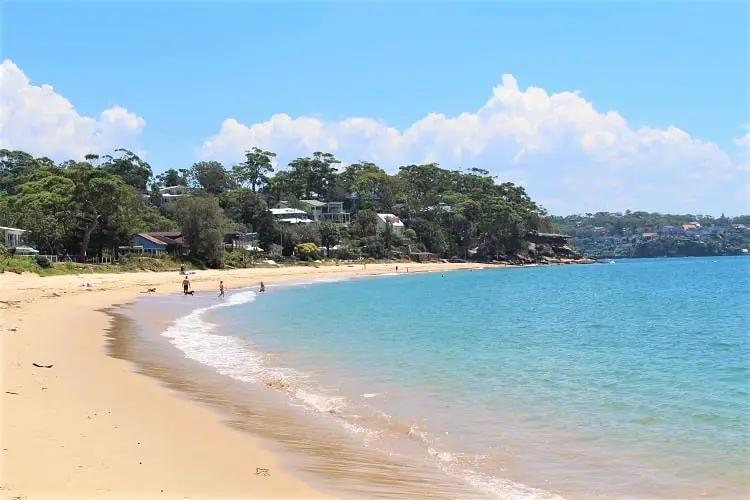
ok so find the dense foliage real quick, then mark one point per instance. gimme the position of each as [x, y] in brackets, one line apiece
[92, 207]
[645, 234]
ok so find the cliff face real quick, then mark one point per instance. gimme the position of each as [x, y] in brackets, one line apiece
[547, 248]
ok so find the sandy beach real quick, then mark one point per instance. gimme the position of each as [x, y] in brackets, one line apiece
[77, 423]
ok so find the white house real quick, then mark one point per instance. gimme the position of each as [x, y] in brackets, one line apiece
[384, 219]
[13, 241]
[172, 193]
[330, 211]
[290, 215]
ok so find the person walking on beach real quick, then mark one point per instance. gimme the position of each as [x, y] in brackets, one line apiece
[221, 289]
[186, 286]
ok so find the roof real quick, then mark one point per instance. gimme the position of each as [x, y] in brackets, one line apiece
[287, 211]
[150, 238]
[313, 203]
[164, 238]
[3, 228]
[296, 221]
[390, 218]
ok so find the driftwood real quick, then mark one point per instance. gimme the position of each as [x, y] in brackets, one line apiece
[41, 366]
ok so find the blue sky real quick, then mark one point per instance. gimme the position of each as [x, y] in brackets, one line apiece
[186, 67]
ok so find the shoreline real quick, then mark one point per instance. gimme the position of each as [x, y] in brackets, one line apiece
[90, 426]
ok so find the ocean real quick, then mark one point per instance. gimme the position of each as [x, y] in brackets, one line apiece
[619, 381]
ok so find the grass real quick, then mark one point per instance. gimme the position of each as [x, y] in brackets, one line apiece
[20, 265]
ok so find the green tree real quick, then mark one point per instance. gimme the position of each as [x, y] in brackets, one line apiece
[329, 236]
[210, 176]
[201, 220]
[255, 169]
[128, 166]
[98, 196]
[268, 230]
[307, 251]
[365, 223]
[243, 205]
[173, 177]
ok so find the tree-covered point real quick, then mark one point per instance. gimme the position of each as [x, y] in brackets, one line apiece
[649, 234]
[96, 205]
[633, 223]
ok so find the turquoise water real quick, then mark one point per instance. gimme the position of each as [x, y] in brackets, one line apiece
[626, 380]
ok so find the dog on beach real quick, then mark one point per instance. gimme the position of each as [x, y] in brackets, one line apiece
[189, 292]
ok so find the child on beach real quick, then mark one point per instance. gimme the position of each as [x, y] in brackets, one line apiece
[262, 287]
[221, 289]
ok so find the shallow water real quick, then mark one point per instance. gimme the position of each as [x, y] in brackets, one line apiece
[617, 381]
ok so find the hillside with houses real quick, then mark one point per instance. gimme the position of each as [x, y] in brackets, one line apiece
[111, 207]
[644, 234]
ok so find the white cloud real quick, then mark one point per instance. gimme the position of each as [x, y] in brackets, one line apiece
[743, 141]
[563, 149]
[36, 119]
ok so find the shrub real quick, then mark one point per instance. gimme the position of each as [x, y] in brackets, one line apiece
[43, 262]
[4, 253]
[307, 251]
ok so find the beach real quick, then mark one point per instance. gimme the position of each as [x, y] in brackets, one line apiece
[78, 423]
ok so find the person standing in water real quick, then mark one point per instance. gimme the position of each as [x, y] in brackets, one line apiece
[186, 285]
[221, 289]
[262, 287]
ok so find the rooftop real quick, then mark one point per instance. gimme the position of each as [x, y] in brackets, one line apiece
[13, 229]
[314, 203]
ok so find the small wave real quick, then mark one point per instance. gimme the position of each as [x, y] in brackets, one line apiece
[236, 358]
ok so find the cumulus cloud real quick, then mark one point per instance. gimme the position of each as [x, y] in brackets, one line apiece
[568, 154]
[36, 119]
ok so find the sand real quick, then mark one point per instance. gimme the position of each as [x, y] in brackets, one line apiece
[84, 425]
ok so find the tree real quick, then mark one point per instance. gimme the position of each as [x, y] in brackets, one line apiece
[243, 205]
[430, 235]
[98, 196]
[388, 236]
[173, 177]
[329, 236]
[315, 175]
[365, 223]
[255, 169]
[129, 167]
[268, 230]
[307, 251]
[201, 220]
[308, 233]
[210, 176]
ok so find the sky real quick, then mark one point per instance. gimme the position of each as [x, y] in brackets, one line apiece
[590, 106]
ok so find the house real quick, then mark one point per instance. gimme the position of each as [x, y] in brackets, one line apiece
[289, 215]
[440, 207]
[234, 240]
[648, 236]
[690, 227]
[672, 231]
[330, 211]
[173, 193]
[158, 242]
[384, 219]
[13, 241]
